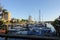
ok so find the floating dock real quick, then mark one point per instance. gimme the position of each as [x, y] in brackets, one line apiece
[33, 37]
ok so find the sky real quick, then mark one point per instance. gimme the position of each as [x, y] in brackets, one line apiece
[49, 9]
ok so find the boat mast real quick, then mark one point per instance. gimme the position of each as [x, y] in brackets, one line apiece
[39, 17]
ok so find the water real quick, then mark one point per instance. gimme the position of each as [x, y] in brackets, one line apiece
[12, 39]
[2, 38]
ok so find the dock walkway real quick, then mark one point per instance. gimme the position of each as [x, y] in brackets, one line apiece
[29, 37]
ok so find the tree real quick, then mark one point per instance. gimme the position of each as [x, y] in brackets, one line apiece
[23, 21]
[2, 24]
[56, 25]
[18, 20]
[4, 10]
[12, 22]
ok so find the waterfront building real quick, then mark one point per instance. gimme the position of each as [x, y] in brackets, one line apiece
[30, 20]
[7, 16]
[4, 14]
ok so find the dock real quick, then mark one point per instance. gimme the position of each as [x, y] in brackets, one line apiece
[33, 37]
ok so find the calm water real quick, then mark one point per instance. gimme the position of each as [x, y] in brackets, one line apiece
[12, 39]
[1, 38]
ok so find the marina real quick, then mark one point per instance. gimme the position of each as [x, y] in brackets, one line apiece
[33, 32]
[31, 20]
[29, 37]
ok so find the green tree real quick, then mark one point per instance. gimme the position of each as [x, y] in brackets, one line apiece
[12, 22]
[18, 20]
[4, 10]
[24, 20]
[2, 24]
[56, 25]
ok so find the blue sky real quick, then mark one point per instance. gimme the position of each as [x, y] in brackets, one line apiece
[49, 9]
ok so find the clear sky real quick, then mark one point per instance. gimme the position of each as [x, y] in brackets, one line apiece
[49, 9]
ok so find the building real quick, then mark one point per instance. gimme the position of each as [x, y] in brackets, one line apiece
[30, 20]
[7, 16]
[4, 14]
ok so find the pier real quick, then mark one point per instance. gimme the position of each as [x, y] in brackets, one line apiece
[32, 37]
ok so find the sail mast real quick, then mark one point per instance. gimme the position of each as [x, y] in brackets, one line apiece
[39, 17]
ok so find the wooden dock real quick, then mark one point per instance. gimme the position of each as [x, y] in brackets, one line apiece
[34, 37]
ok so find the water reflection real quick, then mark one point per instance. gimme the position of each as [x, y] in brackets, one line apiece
[2, 38]
[12, 39]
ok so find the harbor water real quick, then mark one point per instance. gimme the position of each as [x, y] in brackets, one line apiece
[12, 39]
